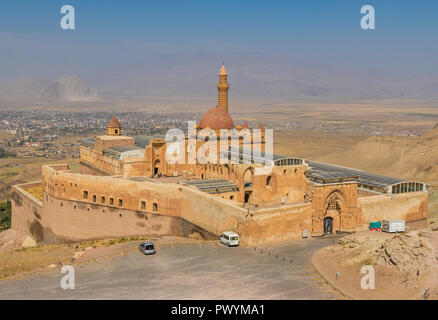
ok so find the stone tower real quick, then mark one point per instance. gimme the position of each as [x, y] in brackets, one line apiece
[222, 88]
[114, 128]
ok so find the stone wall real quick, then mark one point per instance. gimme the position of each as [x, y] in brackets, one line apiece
[80, 207]
[75, 220]
[134, 167]
[147, 208]
[27, 212]
[278, 224]
[407, 206]
[97, 161]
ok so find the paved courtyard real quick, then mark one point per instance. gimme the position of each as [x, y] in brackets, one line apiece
[188, 271]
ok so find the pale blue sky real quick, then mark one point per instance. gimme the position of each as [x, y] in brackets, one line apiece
[312, 46]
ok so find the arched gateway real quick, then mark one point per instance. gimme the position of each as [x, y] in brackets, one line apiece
[248, 179]
[157, 167]
[333, 213]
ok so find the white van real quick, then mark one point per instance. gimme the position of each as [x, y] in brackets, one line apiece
[230, 238]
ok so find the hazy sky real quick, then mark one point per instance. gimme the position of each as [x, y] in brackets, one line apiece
[310, 47]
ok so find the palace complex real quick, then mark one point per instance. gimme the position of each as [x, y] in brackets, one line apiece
[128, 186]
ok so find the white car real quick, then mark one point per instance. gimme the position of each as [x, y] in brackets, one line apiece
[230, 238]
[147, 248]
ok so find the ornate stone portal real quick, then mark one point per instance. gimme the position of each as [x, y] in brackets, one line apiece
[333, 213]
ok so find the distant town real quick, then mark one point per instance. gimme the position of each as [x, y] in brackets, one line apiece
[33, 133]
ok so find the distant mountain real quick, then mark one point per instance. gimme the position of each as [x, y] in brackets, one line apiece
[29, 87]
[65, 89]
[71, 88]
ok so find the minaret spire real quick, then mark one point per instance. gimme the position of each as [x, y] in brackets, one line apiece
[222, 88]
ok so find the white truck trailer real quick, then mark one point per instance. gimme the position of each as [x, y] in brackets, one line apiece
[394, 226]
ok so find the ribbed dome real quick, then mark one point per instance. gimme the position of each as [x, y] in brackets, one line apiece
[216, 119]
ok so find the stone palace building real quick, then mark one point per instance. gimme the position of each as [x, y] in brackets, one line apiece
[126, 186]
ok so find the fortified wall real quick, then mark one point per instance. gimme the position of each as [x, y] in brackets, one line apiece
[407, 206]
[82, 207]
[79, 207]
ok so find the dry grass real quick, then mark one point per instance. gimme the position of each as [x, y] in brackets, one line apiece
[25, 260]
[37, 192]
[28, 169]
[313, 145]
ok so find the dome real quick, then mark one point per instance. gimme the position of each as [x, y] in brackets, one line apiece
[216, 119]
[114, 123]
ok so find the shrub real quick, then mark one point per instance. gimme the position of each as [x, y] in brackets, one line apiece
[5, 215]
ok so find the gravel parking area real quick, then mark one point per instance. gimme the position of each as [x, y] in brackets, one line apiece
[181, 270]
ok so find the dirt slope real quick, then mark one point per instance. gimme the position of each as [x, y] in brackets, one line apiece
[413, 158]
[405, 265]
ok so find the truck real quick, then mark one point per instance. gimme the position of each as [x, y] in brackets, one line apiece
[394, 226]
[375, 226]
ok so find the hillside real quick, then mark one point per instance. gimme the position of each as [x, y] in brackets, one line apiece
[413, 158]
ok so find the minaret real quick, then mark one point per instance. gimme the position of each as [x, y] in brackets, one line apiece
[222, 88]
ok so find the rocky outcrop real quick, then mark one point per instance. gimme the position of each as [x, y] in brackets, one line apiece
[408, 252]
[411, 252]
[11, 239]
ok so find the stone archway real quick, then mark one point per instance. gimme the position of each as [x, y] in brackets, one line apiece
[248, 179]
[328, 225]
[156, 167]
[248, 175]
[227, 169]
[333, 209]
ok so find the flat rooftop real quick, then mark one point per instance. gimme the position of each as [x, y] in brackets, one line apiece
[214, 186]
[328, 172]
[141, 179]
[121, 149]
[324, 173]
[107, 137]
